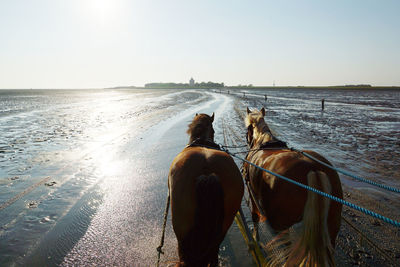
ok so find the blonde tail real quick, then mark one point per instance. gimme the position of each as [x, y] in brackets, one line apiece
[310, 245]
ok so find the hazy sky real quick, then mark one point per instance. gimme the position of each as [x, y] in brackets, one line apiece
[104, 43]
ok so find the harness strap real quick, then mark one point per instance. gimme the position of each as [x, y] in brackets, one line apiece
[273, 144]
[204, 143]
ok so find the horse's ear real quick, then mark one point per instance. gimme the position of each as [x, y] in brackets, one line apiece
[196, 114]
[248, 110]
[212, 117]
[263, 112]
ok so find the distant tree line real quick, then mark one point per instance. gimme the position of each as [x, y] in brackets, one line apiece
[184, 85]
[355, 85]
[242, 86]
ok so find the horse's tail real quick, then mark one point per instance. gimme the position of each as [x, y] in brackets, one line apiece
[201, 245]
[310, 245]
[314, 247]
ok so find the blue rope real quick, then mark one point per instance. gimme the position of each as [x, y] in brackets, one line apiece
[393, 189]
[344, 202]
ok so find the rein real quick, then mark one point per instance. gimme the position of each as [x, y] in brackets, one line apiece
[159, 248]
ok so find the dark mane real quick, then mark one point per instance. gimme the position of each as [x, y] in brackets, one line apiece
[201, 128]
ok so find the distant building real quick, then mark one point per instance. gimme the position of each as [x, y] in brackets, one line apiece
[191, 82]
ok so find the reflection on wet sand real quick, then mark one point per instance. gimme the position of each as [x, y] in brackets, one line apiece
[105, 206]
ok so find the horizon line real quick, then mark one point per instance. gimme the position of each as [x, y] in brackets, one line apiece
[225, 86]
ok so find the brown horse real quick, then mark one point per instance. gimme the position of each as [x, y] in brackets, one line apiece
[206, 190]
[284, 204]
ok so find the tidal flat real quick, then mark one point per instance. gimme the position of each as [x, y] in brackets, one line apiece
[83, 176]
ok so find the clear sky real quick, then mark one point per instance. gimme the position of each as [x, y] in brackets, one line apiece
[104, 43]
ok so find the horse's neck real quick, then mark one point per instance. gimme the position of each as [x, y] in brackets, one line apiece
[264, 135]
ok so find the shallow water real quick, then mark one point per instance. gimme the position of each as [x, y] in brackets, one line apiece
[103, 157]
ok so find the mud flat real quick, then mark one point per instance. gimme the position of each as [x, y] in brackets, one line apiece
[359, 136]
[100, 161]
[101, 177]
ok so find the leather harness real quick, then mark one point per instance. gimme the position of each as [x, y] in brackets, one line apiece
[204, 143]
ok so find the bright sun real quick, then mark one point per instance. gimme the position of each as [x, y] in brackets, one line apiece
[102, 9]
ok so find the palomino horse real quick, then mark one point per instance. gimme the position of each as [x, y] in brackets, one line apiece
[206, 190]
[285, 204]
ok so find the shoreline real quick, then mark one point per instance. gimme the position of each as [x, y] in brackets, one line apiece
[289, 87]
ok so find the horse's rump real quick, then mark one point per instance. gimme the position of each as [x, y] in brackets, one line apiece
[206, 190]
[201, 243]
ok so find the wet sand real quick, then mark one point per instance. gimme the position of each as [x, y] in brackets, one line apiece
[104, 199]
[360, 143]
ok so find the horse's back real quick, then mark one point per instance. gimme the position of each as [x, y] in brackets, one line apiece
[295, 166]
[196, 161]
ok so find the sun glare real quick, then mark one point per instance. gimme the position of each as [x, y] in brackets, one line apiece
[102, 10]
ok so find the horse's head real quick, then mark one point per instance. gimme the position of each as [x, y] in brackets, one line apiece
[201, 127]
[256, 126]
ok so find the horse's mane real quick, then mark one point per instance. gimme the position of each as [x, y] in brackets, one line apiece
[257, 118]
[199, 126]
